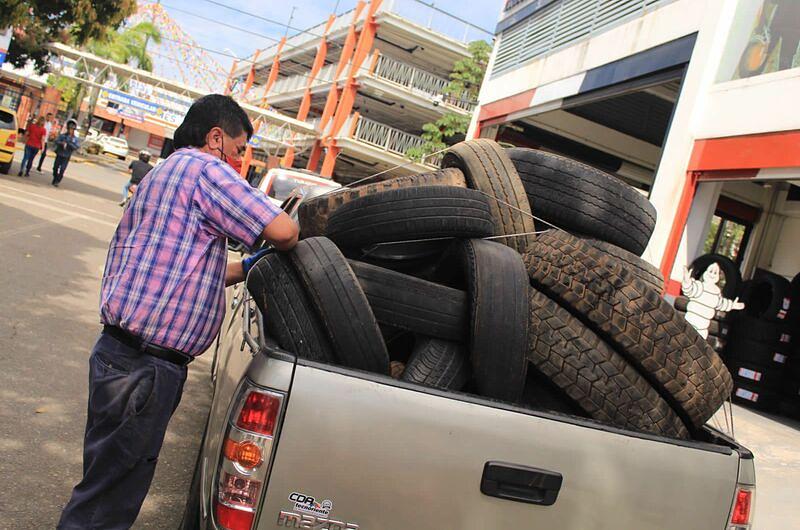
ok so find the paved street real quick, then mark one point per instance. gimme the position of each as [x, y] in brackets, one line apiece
[54, 242]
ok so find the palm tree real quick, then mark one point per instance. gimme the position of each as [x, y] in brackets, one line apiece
[128, 46]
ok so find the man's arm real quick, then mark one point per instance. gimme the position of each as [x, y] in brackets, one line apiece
[234, 273]
[282, 232]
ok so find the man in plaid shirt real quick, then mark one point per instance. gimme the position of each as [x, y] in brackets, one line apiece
[162, 302]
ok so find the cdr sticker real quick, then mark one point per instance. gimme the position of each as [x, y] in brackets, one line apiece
[308, 504]
[749, 374]
[779, 358]
[786, 338]
[746, 394]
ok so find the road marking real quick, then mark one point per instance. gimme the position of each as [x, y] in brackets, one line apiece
[66, 203]
[36, 226]
[59, 210]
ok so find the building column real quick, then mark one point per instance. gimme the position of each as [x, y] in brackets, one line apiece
[699, 220]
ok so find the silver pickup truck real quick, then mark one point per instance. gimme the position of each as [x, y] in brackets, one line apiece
[292, 443]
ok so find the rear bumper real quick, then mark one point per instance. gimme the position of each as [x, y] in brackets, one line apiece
[6, 156]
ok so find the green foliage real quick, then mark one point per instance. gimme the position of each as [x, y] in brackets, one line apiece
[68, 87]
[36, 23]
[127, 46]
[465, 83]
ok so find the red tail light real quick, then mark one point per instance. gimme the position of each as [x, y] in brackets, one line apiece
[12, 140]
[231, 518]
[741, 514]
[245, 460]
[260, 413]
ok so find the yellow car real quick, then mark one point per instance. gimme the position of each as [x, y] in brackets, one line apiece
[8, 138]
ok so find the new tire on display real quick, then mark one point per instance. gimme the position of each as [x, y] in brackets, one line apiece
[579, 198]
[634, 320]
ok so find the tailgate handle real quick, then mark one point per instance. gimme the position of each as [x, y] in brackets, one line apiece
[520, 483]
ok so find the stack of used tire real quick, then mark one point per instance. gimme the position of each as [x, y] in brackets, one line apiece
[760, 343]
[730, 283]
[445, 274]
[789, 403]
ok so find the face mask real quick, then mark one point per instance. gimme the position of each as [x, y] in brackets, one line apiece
[235, 164]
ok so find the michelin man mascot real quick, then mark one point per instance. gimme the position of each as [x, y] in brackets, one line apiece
[705, 297]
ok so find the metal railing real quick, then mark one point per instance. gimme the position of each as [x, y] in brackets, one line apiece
[389, 139]
[299, 81]
[418, 80]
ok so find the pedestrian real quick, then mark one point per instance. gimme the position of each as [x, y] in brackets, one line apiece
[34, 138]
[138, 169]
[66, 143]
[49, 124]
[162, 302]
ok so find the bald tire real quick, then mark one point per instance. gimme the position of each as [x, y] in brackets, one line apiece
[582, 199]
[487, 168]
[426, 212]
[645, 271]
[498, 292]
[438, 363]
[341, 305]
[404, 302]
[289, 316]
[313, 214]
[599, 380]
[634, 320]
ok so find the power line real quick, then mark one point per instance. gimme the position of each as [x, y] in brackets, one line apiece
[254, 15]
[238, 28]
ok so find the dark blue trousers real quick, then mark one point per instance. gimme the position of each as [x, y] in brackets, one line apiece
[132, 396]
[59, 167]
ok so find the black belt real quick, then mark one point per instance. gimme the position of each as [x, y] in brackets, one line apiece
[132, 341]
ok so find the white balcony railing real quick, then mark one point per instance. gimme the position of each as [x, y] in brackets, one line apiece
[418, 80]
[389, 139]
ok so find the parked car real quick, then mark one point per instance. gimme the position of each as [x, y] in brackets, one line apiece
[8, 138]
[114, 145]
[279, 183]
[299, 443]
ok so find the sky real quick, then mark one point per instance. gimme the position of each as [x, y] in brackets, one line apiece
[213, 35]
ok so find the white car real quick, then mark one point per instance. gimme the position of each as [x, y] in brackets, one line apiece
[280, 182]
[111, 144]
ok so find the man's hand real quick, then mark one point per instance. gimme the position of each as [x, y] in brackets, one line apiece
[236, 271]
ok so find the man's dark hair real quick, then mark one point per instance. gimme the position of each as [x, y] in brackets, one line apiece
[213, 110]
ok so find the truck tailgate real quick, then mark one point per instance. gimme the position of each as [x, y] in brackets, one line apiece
[392, 457]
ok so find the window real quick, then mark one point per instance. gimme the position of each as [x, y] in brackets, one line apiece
[727, 236]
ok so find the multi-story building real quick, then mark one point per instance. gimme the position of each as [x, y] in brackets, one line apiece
[368, 79]
[689, 100]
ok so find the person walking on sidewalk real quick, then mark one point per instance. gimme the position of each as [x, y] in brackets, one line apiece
[49, 124]
[162, 301]
[66, 143]
[35, 136]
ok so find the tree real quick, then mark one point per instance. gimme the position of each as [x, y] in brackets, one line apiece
[67, 86]
[127, 46]
[465, 83]
[36, 23]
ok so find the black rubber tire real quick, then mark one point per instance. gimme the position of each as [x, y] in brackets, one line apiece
[438, 363]
[313, 213]
[681, 302]
[763, 354]
[582, 199]
[634, 320]
[767, 297]
[769, 378]
[404, 302]
[756, 329]
[717, 344]
[713, 326]
[498, 293]
[426, 212]
[289, 316]
[645, 271]
[728, 269]
[789, 407]
[5, 167]
[487, 168]
[341, 305]
[794, 294]
[759, 398]
[599, 380]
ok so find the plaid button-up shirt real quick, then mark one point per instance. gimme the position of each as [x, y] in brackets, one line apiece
[164, 279]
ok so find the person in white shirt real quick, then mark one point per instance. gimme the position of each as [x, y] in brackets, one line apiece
[48, 126]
